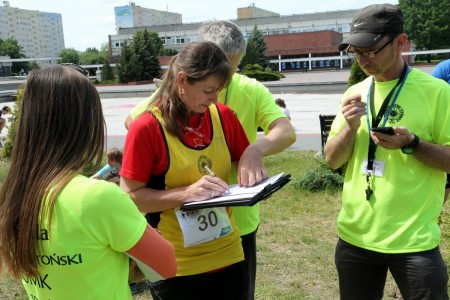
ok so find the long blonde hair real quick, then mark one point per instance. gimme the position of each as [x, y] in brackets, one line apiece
[61, 129]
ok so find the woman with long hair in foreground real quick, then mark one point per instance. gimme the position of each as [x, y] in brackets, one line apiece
[65, 235]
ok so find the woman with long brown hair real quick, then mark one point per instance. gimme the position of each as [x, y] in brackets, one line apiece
[168, 152]
[63, 234]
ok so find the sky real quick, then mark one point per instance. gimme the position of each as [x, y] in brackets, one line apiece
[87, 23]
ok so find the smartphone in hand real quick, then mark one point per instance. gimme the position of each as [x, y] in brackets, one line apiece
[385, 130]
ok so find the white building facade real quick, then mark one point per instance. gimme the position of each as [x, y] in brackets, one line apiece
[39, 33]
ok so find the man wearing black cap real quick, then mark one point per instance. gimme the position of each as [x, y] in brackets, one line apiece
[394, 180]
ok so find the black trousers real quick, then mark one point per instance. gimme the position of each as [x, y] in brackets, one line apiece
[249, 246]
[227, 284]
[362, 273]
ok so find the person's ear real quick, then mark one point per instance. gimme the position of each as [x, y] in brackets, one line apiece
[401, 41]
[181, 79]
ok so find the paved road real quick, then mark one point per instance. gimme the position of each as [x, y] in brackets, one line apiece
[305, 108]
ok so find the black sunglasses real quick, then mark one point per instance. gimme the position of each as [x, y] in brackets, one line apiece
[367, 54]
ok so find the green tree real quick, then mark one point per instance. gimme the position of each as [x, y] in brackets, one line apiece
[256, 49]
[427, 23]
[10, 47]
[126, 67]
[139, 60]
[92, 56]
[107, 71]
[146, 46]
[34, 65]
[69, 55]
[356, 74]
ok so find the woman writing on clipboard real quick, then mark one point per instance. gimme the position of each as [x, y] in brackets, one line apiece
[166, 151]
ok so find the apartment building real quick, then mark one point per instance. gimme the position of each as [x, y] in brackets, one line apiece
[39, 33]
[133, 15]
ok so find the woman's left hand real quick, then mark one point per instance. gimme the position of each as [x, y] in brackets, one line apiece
[251, 169]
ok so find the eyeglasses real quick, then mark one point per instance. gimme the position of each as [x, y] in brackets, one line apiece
[367, 54]
[76, 68]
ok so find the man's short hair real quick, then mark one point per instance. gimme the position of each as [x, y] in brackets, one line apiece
[373, 23]
[224, 34]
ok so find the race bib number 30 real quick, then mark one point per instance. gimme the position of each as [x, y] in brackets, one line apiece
[203, 225]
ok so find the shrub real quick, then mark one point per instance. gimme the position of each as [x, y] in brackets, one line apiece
[6, 151]
[252, 67]
[260, 74]
[321, 179]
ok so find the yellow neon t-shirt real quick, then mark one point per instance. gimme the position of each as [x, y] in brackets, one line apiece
[82, 257]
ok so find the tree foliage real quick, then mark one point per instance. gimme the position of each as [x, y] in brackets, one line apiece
[34, 66]
[146, 48]
[69, 55]
[256, 49]
[167, 52]
[10, 47]
[92, 56]
[107, 71]
[260, 74]
[139, 60]
[427, 23]
[126, 67]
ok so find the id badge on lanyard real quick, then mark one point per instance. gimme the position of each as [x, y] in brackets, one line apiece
[372, 166]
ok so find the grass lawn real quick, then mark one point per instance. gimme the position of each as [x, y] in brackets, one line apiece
[296, 240]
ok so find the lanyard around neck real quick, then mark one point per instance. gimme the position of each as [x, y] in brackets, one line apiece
[384, 111]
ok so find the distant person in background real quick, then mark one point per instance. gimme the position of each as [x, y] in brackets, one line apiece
[282, 105]
[5, 111]
[65, 235]
[110, 172]
[442, 71]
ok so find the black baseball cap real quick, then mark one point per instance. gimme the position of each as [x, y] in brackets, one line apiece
[372, 23]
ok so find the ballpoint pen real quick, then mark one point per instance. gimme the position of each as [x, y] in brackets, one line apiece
[211, 173]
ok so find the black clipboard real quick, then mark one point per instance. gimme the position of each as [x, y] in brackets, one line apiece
[245, 200]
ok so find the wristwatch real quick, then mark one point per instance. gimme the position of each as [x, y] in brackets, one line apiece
[411, 147]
